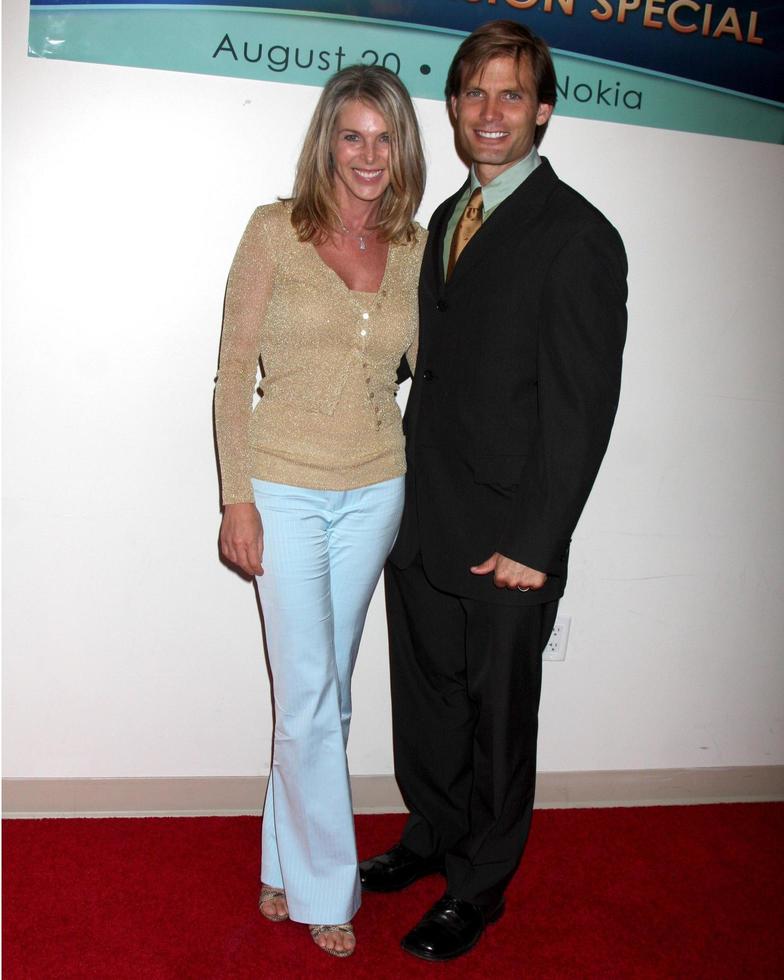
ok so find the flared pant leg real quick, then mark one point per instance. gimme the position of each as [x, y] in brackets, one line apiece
[323, 554]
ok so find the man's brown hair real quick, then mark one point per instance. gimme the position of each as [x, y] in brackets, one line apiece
[500, 38]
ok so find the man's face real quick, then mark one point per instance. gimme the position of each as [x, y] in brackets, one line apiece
[496, 115]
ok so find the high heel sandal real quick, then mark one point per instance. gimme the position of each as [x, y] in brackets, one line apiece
[347, 928]
[269, 894]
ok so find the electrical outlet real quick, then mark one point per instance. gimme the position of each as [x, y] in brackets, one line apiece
[556, 645]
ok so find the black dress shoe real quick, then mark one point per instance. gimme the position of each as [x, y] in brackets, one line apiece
[450, 928]
[395, 869]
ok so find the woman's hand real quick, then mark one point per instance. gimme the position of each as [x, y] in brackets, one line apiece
[242, 537]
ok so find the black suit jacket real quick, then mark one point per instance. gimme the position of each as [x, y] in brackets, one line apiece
[515, 391]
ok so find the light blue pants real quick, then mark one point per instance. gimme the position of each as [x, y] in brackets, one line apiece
[323, 554]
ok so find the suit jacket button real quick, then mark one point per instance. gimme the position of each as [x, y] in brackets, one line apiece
[427, 375]
[441, 306]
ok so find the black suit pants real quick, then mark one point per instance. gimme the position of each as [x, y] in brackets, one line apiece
[466, 677]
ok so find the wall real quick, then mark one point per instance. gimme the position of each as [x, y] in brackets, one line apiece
[131, 651]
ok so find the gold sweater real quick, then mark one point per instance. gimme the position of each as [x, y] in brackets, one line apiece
[327, 417]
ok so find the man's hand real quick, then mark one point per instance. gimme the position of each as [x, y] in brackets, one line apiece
[242, 537]
[508, 574]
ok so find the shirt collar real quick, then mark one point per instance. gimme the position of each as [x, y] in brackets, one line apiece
[498, 189]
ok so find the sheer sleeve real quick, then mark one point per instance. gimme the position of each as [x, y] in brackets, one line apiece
[411, 354]
[419, 251]
[247, 295]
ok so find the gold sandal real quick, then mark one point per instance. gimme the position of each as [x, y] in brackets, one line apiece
[317, 931]
[269, 894]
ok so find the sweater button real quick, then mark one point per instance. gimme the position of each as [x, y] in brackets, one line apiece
[427, 375]
[441, 306]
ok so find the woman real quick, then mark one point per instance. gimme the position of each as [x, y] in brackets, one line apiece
[322, 291]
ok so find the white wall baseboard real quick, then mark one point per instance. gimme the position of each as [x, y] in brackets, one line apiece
[227, 796]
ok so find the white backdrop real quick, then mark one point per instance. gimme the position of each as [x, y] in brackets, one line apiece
[130, 651]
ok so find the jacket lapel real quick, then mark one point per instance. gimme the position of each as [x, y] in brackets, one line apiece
[507, 221]
[437, 232]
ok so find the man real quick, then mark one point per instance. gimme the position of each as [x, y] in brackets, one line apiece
[522, 325]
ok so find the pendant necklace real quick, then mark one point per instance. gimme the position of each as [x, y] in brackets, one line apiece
[360, 238]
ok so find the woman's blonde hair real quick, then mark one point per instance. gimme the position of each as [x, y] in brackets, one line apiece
[314, 212]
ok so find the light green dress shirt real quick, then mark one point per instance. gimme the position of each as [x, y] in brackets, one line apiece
[493, 194]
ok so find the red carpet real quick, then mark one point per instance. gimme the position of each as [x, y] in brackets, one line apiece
[686, 892]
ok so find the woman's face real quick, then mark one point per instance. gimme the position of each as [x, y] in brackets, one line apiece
[360, 152]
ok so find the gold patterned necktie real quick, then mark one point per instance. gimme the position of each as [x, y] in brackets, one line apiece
[468, 225]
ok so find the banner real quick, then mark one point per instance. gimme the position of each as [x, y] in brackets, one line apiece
[691, 65]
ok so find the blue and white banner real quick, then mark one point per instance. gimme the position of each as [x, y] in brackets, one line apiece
[677, 64]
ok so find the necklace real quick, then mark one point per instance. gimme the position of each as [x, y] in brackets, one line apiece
[352, 234]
